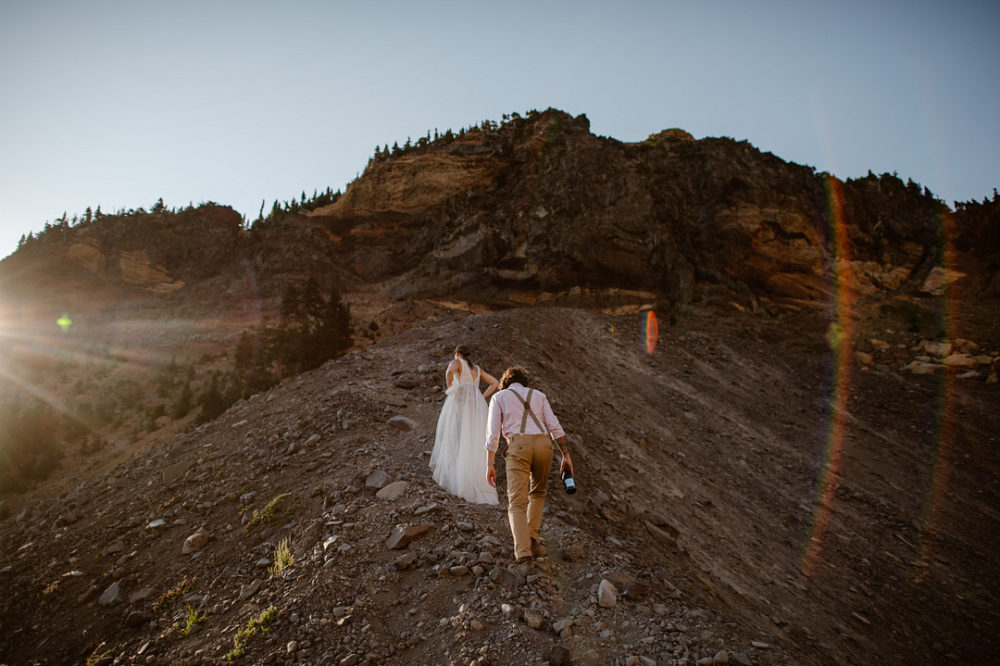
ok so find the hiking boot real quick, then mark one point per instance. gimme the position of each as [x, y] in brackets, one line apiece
[524, 565]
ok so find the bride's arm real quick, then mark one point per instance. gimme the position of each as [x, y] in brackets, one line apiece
[489, 379]
[449, 374]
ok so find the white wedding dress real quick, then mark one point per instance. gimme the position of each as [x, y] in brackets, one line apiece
[459, 457]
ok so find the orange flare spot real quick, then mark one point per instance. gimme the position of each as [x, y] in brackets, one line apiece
[652, 332]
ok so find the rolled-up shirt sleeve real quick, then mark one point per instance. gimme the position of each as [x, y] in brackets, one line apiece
[493, 422]
[550, 421]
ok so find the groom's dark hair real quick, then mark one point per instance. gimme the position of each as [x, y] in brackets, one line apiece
[513, 375]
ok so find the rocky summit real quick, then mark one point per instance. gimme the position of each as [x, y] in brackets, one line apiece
[780, 392]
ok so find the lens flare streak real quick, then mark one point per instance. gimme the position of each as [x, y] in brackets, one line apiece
[839, 336]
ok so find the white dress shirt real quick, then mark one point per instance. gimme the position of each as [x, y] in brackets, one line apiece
[506, 412]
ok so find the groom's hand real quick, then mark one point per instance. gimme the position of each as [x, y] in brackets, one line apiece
[491, 476]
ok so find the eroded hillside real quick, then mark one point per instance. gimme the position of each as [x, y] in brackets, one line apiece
[701, 468]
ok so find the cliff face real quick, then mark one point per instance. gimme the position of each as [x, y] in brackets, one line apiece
[544, 205]
[540, 208]
[143, 253]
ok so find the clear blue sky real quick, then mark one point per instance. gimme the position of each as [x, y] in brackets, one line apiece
[118, 103]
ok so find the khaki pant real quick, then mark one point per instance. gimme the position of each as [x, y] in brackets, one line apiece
[529, 458]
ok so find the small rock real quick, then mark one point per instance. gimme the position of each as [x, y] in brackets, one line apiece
[156, 524]
[140, 595]
[508, 577]
[406, 383]
[534, 620]
[721, 657]
[560, 656]
[562, 625]
[741, 659]
[137, 619]
[606, 596]
[88, 595]
[392, 491]
[922, 368]
[646, 661]
[292, 647]
[636, 591]
[961, 361]
[402, 423]
[115, 547]
[574, 553]
[406, 560]
[879, 345]
[939, 349]
[460, 570]
[195, 542]
[759, 645]
[377, 479]
[111, 595]
[402, 536]
[431, 508]
[666, 533]
[249, 589]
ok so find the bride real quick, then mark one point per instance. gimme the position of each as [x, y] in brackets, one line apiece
[459, 457]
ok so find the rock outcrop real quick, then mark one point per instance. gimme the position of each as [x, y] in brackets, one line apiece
[541, 210]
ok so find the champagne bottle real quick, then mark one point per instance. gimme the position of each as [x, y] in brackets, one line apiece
[567, 479]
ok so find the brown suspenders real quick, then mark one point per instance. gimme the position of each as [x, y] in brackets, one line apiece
[527, 412]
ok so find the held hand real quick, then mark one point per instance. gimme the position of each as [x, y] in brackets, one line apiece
[491, 476]
[567, 463]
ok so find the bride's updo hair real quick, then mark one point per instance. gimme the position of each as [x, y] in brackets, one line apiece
[513, 375]
[463, 351]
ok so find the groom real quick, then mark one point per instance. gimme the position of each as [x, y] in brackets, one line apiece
[525, 418]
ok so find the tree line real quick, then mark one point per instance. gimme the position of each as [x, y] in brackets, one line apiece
[310, 331]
